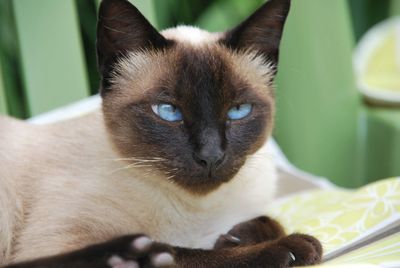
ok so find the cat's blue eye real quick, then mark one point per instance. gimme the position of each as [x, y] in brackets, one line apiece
[240, 111]
[167, 112]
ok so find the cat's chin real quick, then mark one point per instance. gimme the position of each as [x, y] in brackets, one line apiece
[203, 182]
[202, 185]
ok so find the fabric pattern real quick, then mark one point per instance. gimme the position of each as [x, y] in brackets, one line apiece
[342, 218]
[385, 252]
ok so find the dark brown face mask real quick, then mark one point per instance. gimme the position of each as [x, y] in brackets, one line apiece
[196, 118]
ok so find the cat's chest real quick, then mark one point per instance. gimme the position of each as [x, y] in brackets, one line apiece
[200, 227]
[170, 214]
[203, 229]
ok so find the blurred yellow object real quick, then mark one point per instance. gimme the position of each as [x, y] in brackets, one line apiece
[377, 62]
[383, 67]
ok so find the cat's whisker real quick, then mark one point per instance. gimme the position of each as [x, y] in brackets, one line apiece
[140, 165]
[171, 177]
[149, 173]
[266, 156]
[153, 160]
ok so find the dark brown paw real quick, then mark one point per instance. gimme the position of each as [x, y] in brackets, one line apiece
[140, 252]
[251, 232]
[302, 249]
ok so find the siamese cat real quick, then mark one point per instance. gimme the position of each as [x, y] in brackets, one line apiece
[173, 171]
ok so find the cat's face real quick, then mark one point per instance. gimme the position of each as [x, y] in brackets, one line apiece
[187, 104]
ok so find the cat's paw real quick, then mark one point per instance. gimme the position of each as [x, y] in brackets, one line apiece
[140, 252]
[302, 249]
[255, 231]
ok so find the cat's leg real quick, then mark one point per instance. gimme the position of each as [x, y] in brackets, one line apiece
[288, 251]
[251, 232]
[264, 229]
[139, 251]
[132, 251]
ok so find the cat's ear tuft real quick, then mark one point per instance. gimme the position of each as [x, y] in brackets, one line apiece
[122, 28]
[262, 31]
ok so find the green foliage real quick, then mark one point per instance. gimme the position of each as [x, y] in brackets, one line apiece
[174, 12]
[212, 15]
[87, 21]
[52, 59]
[13, 95]
[225, 14]
[366, 13]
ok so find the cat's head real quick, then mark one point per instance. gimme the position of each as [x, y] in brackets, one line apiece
[189, 104]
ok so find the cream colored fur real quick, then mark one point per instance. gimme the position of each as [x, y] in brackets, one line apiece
[62, 187]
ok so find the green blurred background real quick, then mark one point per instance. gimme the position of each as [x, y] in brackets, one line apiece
[47, 59]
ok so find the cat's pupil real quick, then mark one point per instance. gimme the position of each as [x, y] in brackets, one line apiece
[171, 108]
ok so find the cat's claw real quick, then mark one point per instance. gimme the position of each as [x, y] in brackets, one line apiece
[144, 252]
[302, 249]
[254, 231]
[231, 238]
[292, 257]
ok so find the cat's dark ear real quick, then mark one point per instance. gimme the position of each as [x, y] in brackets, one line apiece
[122, 28]
[262, 31]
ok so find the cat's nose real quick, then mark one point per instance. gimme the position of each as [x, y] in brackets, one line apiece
[210, 159]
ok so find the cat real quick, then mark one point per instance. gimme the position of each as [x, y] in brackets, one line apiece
[173, 171]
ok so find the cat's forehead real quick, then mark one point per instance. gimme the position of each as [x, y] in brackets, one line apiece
[191, 35]
[195, 58]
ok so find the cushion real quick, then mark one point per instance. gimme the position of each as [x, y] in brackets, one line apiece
[354, 226]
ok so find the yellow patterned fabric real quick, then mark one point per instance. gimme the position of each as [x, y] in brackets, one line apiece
[385, 252]
[342, 219]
